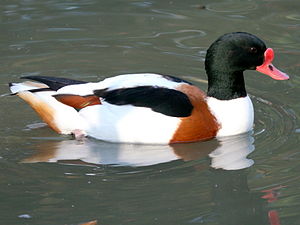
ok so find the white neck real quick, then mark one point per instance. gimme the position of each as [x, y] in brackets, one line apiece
[235, 116]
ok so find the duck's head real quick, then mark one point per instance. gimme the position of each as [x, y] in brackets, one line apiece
[229, 56]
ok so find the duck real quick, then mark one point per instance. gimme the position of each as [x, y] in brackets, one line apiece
[149, 108]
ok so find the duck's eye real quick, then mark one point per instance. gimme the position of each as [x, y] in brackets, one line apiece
[253, 50]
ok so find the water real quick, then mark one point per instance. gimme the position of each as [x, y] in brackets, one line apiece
[50, 179]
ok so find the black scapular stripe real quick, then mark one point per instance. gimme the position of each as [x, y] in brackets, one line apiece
[163, 100]
[175, 79]
[54, 83]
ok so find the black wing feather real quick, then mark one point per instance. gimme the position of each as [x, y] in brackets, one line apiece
[175, 79]
[54, 83]
[163, 100]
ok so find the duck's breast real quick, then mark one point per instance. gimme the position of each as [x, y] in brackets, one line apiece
[235, 116]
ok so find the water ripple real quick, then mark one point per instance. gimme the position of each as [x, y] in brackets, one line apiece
[172, 15]
[232, 6]
[274, 123]
[284, 19]
[61, 29]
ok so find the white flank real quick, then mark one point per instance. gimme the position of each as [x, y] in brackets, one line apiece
[128, 124]
[235, 116]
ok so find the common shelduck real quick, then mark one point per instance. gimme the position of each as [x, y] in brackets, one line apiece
[153, 108]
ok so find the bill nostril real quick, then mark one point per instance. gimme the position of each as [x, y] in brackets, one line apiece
[271, 67]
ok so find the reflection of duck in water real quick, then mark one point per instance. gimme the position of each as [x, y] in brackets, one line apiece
[157, 109]
[232, 154]
[236, 204]
[228, 153]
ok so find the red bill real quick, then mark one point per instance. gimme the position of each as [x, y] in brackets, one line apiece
[268, 68]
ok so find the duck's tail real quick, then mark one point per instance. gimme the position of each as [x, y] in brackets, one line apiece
[60, 117]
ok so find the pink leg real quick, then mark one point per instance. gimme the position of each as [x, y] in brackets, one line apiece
[78, 134]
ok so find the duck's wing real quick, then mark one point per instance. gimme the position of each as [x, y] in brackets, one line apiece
[157, 92]
[54, 83]
[167, 101]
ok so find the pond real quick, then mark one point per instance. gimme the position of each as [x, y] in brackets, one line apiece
[48, 178]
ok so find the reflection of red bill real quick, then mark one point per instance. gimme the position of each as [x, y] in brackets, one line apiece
[273, 217]
[268, 68]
